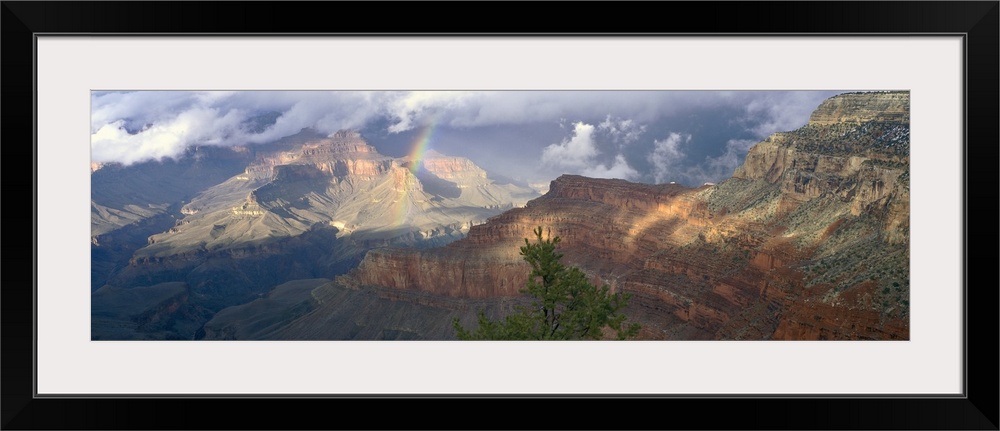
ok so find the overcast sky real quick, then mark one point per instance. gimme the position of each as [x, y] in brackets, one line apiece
[688, 137]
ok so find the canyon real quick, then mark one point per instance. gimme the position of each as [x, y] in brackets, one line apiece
[808, 240]
[230, 224]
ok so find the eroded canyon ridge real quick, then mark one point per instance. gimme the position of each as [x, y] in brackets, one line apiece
[808, 240]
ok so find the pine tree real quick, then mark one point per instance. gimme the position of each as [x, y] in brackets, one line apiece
[566, 306]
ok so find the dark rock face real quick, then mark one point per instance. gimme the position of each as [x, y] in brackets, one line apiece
[159, 311]
[321, 309]
[808, 240]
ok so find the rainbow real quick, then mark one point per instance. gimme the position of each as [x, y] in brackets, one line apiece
[415, 159]
[421, 144]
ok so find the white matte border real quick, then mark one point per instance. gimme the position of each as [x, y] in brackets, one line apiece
[68, 362]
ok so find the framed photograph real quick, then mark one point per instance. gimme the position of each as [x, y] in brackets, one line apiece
[861, 126]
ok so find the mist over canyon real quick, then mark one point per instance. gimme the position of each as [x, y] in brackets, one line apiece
[323, 235]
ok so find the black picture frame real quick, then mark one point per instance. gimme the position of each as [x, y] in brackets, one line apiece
[976, 21]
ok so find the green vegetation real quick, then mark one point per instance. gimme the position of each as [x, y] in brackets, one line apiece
[566, 306]
[856, 256]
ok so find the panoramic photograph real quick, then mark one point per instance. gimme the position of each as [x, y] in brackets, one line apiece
[500, 215]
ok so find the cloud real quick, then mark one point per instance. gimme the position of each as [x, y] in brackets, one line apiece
[576, 152]
[667, 157]
[621, 131]
[136, 107]
[114, 141]
[670, 161]
[579, 155]
[619, 169]
[490, 108]
[723, 165]
[131, 127]
[768, 113]
[414, 108]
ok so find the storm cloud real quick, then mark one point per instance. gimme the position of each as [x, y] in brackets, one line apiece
[649, 136]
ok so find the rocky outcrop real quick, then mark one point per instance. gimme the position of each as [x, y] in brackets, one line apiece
[815, 320]
[452, 168]
[449, 272]
[343, 154]
[891, 106]
[855, 148]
